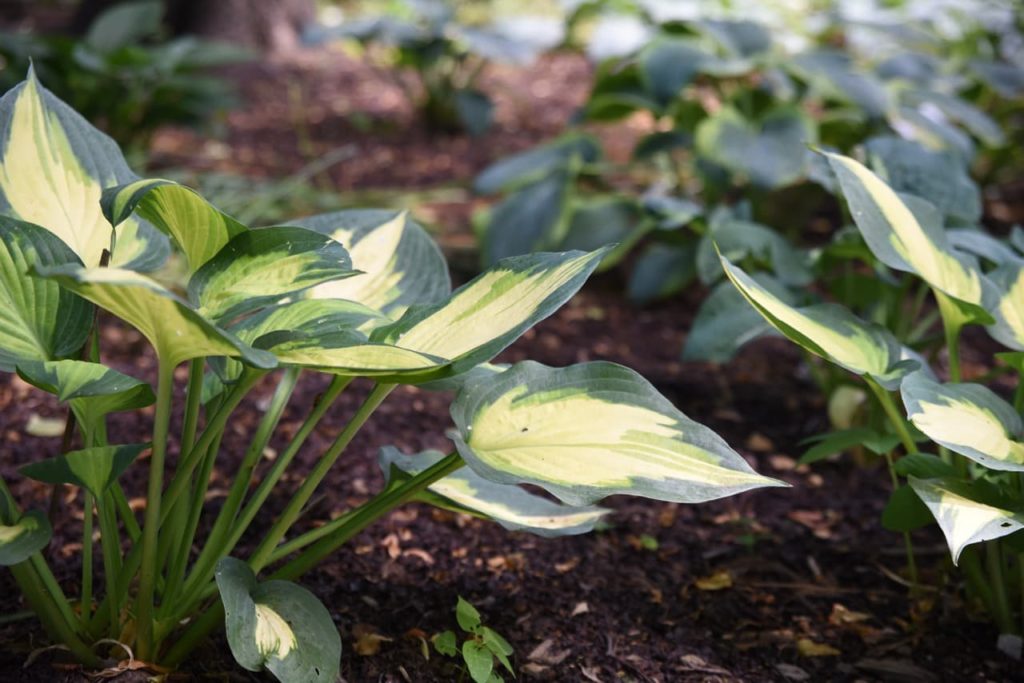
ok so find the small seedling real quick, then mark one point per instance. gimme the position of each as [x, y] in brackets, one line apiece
[481, 647]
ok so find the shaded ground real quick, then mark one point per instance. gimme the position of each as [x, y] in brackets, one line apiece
[797, 584]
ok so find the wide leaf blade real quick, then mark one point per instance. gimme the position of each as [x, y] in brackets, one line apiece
[592, 430]
[260, 267]
[491, 311]
[967, 511]
[93, 390]
[968, 419]
[277, 625]
[19, 541]
[176, 331]
[510, 506]
[93, 468]
[39, 320]
[400, 265]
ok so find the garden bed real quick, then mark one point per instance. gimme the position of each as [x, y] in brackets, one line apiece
[796, 584]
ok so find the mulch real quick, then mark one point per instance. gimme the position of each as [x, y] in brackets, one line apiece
[797, 584]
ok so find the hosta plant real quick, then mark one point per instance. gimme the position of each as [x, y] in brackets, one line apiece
[954, 448]
[428, 38]
[356, 294]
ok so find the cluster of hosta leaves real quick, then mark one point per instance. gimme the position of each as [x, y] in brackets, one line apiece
[350, 294]
[120, 77]
[962, 449]
[735, 111]
[447, 54]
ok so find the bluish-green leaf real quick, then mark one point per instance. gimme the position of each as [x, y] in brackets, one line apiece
[93, 468]
[532, 165]
[277, 625]
[19, 541]
[533, 218]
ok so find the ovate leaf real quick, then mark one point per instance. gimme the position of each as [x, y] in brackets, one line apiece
[669, 64]
[592, 430]
[479, 661]
[91, 389]
[768, 152]
[725, 321]
[93, 468]
[39, 320]
[967, 511]
[53, 168]
[510, 506]
[527, 167]
[259, 267]
[176, 331]
[277, 625]
[530, 219]
[19, 541]
[492, 310]
[966, 418]
[399, 264]
[906, 235]
[827, 330]
[199, 229]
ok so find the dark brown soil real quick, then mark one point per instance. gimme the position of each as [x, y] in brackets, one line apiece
[741, 589]
[798, 584]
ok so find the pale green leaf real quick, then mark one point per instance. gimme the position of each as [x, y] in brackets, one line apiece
[94, 468]
[479, 661]
[399, 264]
[19, 541]
[592, 430]
[176, 331]
[467, 615]
[39, 320]
[968, 419]
[277, 625]
[967, 511]
[827, 330]
[53, 168]
[196, 226]
[510, 506]
[91, 389]
[907, 235]
[260, 267]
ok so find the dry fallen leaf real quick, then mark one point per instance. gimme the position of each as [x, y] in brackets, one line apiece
[760, 443]
[720, 580]
[38, 425]
[580, 608]
[367, 640]
[842, 616]
[809, 648]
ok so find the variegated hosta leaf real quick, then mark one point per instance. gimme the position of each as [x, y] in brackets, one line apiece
[93, 468]
[400, 264]
[277, 625]
[260, 267]
[967, 511]
[19, 541]
[304, 319]
[906, 233]
[176, 331]
[966, 418]
[38, 320]
[199, 229]
[510, 506]
[488, 313]
[829, 331]
[53, 168]
[1008, 312]
[592, 430]
[91, 389]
